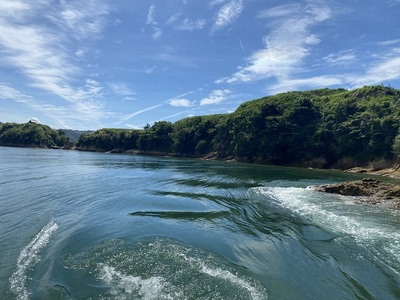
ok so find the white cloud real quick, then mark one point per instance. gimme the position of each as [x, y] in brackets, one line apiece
[384, 70]
[191, 25]
[134, 126]
[41, 52]
[80, 53]
[393, 2]
[186, 24]
[172, 116]
[35, 52]
[280, 11]
[14, 9]
[318, 11]
[215, 97]
[151, 15]
[150, 70]
[390, 42]
[130, 116]
[121, 88]
[342, 58]
[129, 98]
[83, 19]
[151, 21]
[9, 93]
[217, 2]
[52, 112]
[388, 68]
[180, 102]
[301, 83]
[228, 14]
[173, 19]
[157, 33]
[286, 46]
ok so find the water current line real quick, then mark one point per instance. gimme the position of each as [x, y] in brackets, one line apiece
[28, 257]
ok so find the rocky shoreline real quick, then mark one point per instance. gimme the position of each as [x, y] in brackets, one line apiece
[367, 190]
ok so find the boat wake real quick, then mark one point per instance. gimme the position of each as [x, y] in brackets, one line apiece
[163, 268]
[28, 257]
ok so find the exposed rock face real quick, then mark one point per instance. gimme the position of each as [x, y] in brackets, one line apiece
[367, 190]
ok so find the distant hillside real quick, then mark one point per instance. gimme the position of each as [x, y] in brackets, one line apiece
[74, 135]
[318, 128]
[31, 135]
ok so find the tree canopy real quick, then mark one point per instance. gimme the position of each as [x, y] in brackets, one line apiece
[324, 126]
[288, 128]
[31, 135]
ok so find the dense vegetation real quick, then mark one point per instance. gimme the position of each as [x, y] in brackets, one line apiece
[74, 135]
[31, 135]
[317, 128]
[320, 128]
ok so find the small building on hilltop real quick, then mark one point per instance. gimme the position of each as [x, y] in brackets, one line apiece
[34, 120]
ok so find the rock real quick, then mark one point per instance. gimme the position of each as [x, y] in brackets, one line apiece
[367, 190]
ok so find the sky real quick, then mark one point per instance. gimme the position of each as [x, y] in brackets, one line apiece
[97, 64]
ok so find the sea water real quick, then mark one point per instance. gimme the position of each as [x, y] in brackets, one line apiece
[78, 225]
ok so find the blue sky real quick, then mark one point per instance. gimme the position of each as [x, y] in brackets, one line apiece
[124, 63]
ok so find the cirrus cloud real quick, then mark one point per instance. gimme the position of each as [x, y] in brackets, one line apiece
[286, 46]
[228, 14]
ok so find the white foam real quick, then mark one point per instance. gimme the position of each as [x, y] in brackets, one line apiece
[227, 276]
[124, 286]
[28, 257]
[234, 279]
[338, 215]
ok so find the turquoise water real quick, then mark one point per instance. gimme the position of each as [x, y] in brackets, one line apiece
[78, 225]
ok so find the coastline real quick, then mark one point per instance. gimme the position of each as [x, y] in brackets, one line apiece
[393, 172]
[366, 191]
[369, 191]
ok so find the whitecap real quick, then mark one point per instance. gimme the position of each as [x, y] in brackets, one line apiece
[234, 279]
[27, 258]
[227, 276]
[123, 286]
[368, 225]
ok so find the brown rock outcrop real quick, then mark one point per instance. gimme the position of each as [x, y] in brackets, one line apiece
[367, 190]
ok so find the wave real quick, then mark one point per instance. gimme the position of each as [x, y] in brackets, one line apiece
[27, 258]
[123, 285]
[163, 268]
[190, 215]
[228, 276]
[370, 226]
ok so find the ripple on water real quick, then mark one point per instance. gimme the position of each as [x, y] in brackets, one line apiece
[163, 268]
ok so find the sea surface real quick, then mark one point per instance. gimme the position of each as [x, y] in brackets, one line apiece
[77, 225]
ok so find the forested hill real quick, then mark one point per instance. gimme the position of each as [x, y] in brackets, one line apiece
[317, 128]
[31, 135]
